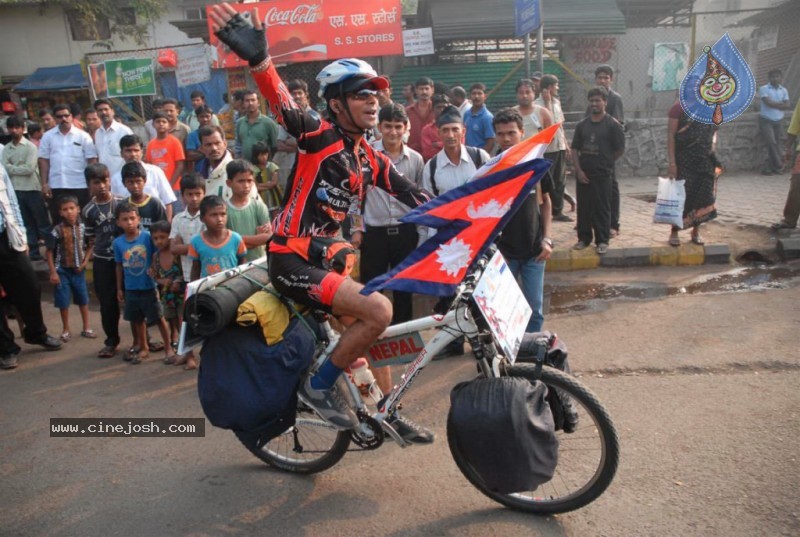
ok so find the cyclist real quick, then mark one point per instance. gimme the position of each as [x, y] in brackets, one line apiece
[334, 168]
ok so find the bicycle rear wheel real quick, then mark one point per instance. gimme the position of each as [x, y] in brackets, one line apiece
[587, 457]
[311, 445]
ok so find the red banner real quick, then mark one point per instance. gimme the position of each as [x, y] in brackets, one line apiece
[322, 30]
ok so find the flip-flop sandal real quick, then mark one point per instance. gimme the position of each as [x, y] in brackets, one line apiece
[674, 241]
[697, 239]
[170, 360]
[107, 352]
[65, 336]
[156, 346]
[131, 353]
[140, 357]
[89, 334]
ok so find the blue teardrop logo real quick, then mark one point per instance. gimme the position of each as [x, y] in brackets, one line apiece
[720, 85]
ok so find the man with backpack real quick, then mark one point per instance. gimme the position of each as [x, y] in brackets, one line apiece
[456, 163]
[450, 168]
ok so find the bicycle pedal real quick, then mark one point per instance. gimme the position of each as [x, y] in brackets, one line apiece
[394, 435]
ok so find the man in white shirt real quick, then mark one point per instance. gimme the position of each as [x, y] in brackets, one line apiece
[452, 167]
[212, 168]
[387, 241]
[157, 184]
[64, 153]
[108, 135]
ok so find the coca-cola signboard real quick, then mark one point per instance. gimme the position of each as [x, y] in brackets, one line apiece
[321, 30]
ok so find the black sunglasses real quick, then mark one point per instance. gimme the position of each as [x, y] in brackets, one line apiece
[363, 94]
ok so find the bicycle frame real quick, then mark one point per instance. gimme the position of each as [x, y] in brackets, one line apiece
[452, 325]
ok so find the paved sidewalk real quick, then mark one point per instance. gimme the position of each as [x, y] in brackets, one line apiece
[747, 205]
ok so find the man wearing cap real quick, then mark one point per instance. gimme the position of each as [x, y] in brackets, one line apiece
[456, 163]
[334, 170]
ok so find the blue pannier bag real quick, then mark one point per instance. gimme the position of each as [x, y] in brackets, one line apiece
[250, 387]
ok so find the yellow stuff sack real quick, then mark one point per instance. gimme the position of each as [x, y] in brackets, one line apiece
[267, 310]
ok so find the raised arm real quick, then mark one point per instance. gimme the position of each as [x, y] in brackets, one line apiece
[248, 41]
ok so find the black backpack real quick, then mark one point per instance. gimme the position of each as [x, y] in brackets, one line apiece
[474, 154]
[504, 429]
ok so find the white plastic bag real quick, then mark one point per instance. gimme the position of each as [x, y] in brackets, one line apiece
[669, 202]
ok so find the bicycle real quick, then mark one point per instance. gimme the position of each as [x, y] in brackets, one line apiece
[588, 455]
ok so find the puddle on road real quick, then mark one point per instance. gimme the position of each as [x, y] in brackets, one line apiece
[592, 297]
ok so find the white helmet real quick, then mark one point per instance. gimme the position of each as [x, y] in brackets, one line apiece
[360, 72]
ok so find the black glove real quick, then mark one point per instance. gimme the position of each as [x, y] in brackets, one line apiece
[244, 39]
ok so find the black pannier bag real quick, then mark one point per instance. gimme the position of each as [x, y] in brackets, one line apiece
[565, 414]
[504, 429]
[250, 387]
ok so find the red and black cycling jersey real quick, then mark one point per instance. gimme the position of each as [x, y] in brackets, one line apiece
[331, 174]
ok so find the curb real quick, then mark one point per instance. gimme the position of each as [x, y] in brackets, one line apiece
[570, 260]
[683, 255]
[789, 248]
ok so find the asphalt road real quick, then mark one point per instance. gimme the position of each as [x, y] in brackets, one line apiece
[702, 387]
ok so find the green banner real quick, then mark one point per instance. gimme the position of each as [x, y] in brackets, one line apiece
[132, 77]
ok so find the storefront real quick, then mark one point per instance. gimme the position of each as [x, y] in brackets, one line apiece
[49, 86]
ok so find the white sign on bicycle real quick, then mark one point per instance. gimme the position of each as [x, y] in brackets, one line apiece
[503, 305]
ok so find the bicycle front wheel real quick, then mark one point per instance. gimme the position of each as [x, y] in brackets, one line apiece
[587, 457]
[311, 445]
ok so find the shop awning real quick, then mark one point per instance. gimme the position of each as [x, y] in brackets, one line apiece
[63, 78]
[454, 20]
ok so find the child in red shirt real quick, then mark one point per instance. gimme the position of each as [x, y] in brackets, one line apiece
[166, 151]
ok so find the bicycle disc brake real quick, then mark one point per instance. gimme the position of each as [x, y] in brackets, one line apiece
[369, 435]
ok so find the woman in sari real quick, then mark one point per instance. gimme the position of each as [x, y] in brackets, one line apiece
[690, 147]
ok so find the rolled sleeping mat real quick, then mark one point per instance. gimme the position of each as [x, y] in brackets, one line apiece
[208, 312]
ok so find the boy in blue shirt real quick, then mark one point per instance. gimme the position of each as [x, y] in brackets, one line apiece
[216, 248]
[133, 253]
